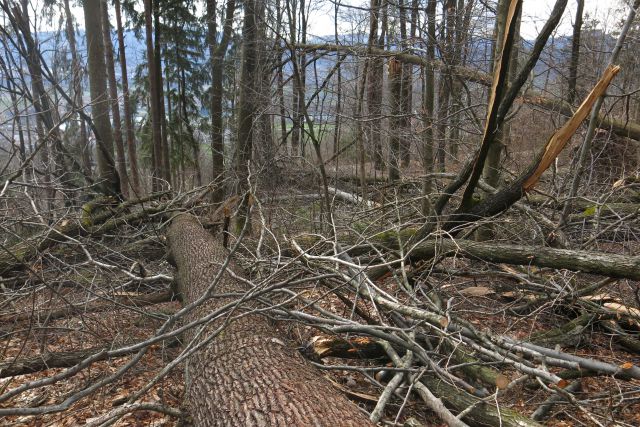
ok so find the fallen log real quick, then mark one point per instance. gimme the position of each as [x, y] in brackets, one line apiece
[352, 198]
[588, 208]
[627, 129]
[604, 264]
[479, 413]
[567, 335]
[107, 220]
[543, 410]
[61, 359]
[109, 303]
[249, 374]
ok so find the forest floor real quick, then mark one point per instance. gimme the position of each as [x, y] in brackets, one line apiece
[481, 293]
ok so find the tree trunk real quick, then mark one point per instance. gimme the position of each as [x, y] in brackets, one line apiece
[446, 79]
[126, 103]
[395, 121]
[100, 97]
[575, 53]
[296, 134]
[121, 163]
[156, 137]
[337, 121]
[302, 80]
[492, 165]
[375, 87]
[360, 89]
[280, 80]
[217, 52]
[428, 104]
[248, 375]
[491, 169]
[611, 265]
[604, 264]
[48, 132]
[454, 398]
[165, 165]
[83, 140]
[406, 86]
[246, 107]
[585, 147]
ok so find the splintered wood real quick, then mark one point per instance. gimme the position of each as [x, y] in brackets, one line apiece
[561, 137]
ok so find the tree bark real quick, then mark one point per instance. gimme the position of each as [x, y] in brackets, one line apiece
[156, 136]
[217, 52]
[126, 104]
[604, 264]
[575, 53]
[428, 105]
[83, 140]
[100, 98]
[121, 163]
[375, 87]
[246, 107]
[446, 81]
[395, 121]
[248, 375]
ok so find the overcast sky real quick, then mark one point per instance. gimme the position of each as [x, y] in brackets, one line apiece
[534, 15]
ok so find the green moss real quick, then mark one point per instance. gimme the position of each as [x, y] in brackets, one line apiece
[390, 238]
[93, 208]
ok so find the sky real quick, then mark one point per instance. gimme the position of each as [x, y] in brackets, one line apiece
[535, 12]
[534, 15]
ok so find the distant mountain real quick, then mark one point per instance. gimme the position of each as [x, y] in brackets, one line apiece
[52, 42]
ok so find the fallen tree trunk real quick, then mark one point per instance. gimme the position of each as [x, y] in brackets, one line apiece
[19, 254]
[61, 359]
[352, 198]
[600, 263]
[107, 304]
[627, 129]
[480, 413]
[604, 264]
[588, 207]
[249, 374]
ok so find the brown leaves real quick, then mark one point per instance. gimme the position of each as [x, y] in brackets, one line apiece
[502, 381]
